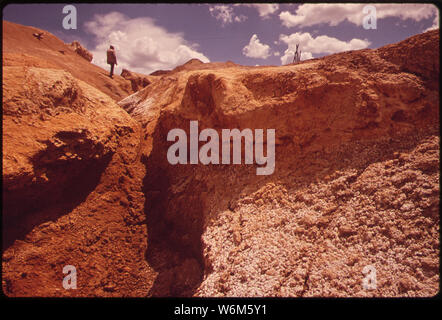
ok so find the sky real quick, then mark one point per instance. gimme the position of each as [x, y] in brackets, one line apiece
[150, 37]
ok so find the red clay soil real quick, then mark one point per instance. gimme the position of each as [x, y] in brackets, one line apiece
[20, 47]
[86, 181]
[356, 181]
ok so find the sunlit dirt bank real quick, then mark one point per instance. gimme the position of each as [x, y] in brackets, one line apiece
[86, 181]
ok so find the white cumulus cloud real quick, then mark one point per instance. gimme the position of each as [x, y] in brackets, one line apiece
[225, 14]
[256, 49]
[435, 22]
[140, 45]
[264, 9]
[306, 55]
[240, 18]
[333, 14]
[310, 45]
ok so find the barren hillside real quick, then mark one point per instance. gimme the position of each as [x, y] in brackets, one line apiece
[21, 48]
[356, 182]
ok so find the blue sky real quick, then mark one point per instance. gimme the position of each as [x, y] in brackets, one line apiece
[149, 37]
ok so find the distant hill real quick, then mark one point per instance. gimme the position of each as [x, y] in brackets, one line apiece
[196, 64]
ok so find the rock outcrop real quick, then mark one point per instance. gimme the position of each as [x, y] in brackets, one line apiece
[137, 80]
[82, 51]
[86, 181]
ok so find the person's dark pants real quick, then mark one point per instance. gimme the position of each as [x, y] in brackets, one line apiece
[111, 70]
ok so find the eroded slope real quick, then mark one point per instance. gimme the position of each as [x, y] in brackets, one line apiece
[356, 181]
[21, 48]
[71, 189]
[355, 184]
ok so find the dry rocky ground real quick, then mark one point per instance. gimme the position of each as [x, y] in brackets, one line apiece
[86, 181]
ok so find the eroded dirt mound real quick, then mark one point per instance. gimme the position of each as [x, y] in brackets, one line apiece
[356, 181]
[21, 48]
[71, 188]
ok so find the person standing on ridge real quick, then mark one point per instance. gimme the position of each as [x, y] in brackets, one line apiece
[297, 56]
[111, 59]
